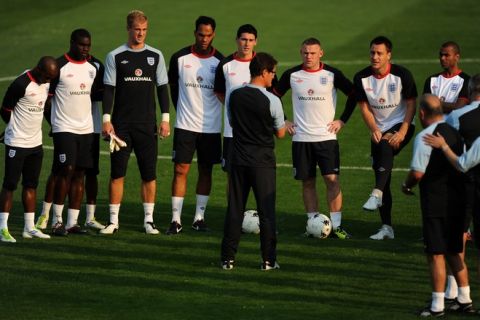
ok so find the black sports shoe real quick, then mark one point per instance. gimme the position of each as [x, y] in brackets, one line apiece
[76, 229]
[228, 264]
[427, 312]
[267, 265]
[200, 225]
[175, 228]
[458, 307]
[448, 302]
[58, 229]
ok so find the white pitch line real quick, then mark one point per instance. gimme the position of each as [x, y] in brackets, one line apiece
[281, 165]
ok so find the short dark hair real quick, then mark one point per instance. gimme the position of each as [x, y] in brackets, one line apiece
[311, 41]
[79, 33]
[453, 45]
[206, 21]
[474, 85]
[382, 40]
[429, 108]
[246, 28]
[262, 61]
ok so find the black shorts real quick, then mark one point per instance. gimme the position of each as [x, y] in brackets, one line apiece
[95, 170]
[307, 155]
[443, 235]
[395, 128]
[70, 149]
[142, 139]
[25, 162]
[226, 156]
[207, 145]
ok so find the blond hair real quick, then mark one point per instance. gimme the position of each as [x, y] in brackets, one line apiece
[135, 15]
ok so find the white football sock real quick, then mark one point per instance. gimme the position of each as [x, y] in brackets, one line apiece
[311, 214]
[90, 210]
[177, 204]
[4, 220]
[201, 206]
[148, 210]
[29, 218]
[377, 192]
[46, 209]
[452, 289]
[464, 295]
[114, 211]
[336, 218]
[72, 218]
[438, 301]
[57, 213]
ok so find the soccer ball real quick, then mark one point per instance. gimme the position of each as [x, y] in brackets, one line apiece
[251, 223]
[319, 226]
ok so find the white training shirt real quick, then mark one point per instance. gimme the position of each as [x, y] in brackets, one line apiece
[71, 102]
[387, 95]
[232, 72]
[198, 108]
[314, 100]
[448, 89]
[26, 100]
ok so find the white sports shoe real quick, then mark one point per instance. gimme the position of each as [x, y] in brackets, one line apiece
[42, 222]
[5, 236]
[373, 203]
[34, 233]
[150, 228]
[111, 228]
[94, 225]
[385, 232]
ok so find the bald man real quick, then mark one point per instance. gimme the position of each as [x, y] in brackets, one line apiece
[22, 110]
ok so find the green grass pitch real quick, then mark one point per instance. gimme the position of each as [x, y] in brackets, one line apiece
[131, 275]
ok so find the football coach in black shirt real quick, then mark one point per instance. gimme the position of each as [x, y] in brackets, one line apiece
[256, 116]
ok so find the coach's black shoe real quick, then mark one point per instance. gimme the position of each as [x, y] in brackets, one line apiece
[427, 313]
[58, 229]
[175, 228]
[267, 265]
[76, 229]
[200, 225]
[228, 264]
[465, 308]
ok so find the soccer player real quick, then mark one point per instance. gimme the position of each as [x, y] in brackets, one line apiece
[22, 110]
[132, 72]
[91, 183]
[451, 84]
[314, 131]
[72, 129]
[443, 208]
[198, 123]
[234, 71]
[386, 94]
[255, 115]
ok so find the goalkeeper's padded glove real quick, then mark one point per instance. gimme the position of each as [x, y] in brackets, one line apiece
[116, 143]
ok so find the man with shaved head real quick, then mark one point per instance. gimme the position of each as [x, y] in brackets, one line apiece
[22, 110]
[442, 201]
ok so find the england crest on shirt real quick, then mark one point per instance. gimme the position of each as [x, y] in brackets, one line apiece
[392, 87]
[213, 69]
[62, 157]
[11, 153]
[454, 87]
[151, 60]
[91, 73]
[323, 81]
